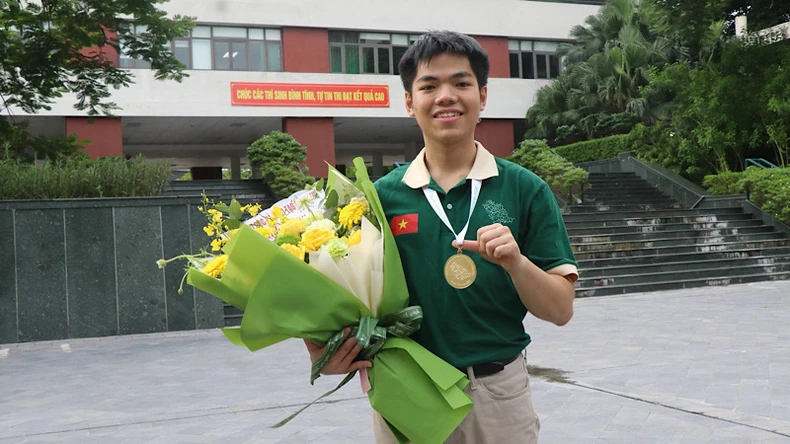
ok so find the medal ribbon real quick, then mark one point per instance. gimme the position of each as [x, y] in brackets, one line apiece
[433, 199]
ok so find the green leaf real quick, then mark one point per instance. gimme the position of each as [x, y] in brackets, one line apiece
[232, 224]
[234, 212]
[331, 199]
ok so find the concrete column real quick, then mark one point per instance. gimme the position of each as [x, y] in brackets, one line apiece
[410, 151]
[378, 165]
[104, 134]
[235, 167]
[318, 135]
[496, 135]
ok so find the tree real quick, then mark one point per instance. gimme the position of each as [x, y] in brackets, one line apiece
[52, 47]
[278, 157]
[57, 46]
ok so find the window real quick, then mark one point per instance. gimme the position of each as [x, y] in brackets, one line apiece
[221, 48]
[367, 52]
[534, 60]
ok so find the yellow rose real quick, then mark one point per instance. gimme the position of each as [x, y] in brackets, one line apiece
[293, 249]
[292, 226]
[353, 237]
[352, 213]
[216, 267]
[313, 239]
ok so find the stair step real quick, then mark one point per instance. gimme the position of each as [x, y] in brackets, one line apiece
[674, 285]
[651, 217]
[633, 229]
[671, 250]
[671, 242]
[681, 257]
[667, 234]
[576, 209]
[625, 268]
[654, 221]
[681, 270]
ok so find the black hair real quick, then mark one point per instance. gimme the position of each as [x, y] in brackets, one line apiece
[434, 43]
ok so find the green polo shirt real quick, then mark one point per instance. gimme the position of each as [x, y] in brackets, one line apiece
[483, 322]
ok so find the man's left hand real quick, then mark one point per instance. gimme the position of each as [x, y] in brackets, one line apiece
[497, 245]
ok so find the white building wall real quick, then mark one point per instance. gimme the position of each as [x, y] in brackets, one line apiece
[512, 18]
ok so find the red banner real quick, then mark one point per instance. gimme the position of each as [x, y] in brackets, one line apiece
[309, 95]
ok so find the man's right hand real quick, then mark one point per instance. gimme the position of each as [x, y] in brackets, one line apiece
[342, 362]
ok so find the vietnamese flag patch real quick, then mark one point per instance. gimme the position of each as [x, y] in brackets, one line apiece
[404, 224]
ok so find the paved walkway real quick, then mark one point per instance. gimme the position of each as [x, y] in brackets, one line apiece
[695, 366]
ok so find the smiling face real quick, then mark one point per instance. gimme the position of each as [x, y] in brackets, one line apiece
[446, 100]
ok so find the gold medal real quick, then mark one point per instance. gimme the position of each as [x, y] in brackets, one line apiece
[460, 270]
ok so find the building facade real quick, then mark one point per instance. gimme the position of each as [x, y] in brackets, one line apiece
[323, 71]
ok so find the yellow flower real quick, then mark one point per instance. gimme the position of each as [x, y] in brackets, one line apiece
[292, 226]
[352, 213]
[353, 237]
[216, 244]
[209, 230]
[265, 231]
[254, 210]
[271, 222]
[277, 212]
[293, 249]
[216, 267]
[313, 239]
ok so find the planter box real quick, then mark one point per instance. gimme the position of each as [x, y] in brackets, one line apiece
[87, 267]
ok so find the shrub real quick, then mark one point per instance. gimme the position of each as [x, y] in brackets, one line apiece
[80, 177]
[278, 155]
[559, 174]
[596, 149]
[768, 188]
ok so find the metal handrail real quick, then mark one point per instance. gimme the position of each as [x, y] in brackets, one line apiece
[758, 162]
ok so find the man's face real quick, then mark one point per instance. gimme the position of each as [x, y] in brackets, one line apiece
[446, 99]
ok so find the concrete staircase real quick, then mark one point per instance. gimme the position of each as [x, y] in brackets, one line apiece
[238, 188]
[628, 237]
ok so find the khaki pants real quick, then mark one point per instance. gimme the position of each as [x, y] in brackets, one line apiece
[502, 412]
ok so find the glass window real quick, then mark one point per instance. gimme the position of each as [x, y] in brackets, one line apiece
[352, 59]
[257, 56]
[336, 58]
[223, 48]
[367, 52]
[273, 34]
[514, 65]
[238, 56]
[534, 60]
[370, 37]
[384, 60]
[201, 54]
[201, 31]
[229, 32]
[181, 51]
[554, 66]
[397, 53]
[368, 61]
[543, 72]
[221, 55]
[400, 39]
[527, 66]
[274, 56]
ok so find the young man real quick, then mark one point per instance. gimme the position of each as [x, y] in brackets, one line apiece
[482, 242]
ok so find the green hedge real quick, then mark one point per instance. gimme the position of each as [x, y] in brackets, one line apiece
[563, 178]
[768, 188]
[596, 149]
[83, 178]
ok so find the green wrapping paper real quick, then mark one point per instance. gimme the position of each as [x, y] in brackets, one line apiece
[419, 395]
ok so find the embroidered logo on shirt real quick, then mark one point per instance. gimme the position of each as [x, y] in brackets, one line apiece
[404, 224]
[497, 212]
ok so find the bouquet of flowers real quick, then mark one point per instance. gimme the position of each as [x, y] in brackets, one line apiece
[322, 261]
